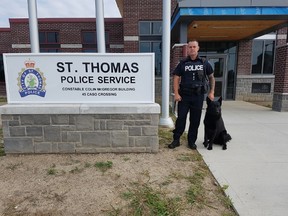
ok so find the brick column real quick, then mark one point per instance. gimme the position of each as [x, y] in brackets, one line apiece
[280, 96]
[178, 52]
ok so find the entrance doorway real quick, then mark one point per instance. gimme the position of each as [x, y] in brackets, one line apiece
[219, 65]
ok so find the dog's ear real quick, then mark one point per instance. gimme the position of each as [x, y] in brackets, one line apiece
[208, 100]
[220, 100]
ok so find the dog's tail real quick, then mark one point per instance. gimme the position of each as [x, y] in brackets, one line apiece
[227, 137]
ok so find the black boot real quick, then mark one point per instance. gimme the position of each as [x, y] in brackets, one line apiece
[174, 144]
[192, 146]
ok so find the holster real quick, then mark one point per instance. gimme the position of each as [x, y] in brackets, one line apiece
[190, 90]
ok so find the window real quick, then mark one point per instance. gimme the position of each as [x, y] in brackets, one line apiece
[150, 36]
[88, 37]
[156, 28]
[263, 56]
[150, 28]
[49, 41]
[156, 48]
[89, 41]
[228, 49]
[47, 50]
[49, 37]
[144, 28]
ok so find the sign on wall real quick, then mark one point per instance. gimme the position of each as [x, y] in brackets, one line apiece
[261, 88]
[79, 78]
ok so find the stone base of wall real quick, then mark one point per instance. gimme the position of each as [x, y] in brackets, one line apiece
[280, 102]
[244, 88]
[82, 128]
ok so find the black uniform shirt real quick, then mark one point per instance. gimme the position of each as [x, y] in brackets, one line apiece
[192, 74]
[189, 65]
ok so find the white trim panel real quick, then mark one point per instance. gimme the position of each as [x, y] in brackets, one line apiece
[131, 38]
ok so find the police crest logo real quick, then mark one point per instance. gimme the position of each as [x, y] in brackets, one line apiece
[31, 80]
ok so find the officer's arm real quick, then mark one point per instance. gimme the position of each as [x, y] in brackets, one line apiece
[212, 86]
[176, 81]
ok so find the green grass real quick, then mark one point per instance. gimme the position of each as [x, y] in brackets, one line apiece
[226, 200]
[149, 198]
[14, 166]
[144, 200]
[87, 165]
[103, 166]
[76, 170]
[2, 152]
[189, 157]
[52, 170]
[3, 99]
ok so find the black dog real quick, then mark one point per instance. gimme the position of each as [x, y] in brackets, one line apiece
[214, 128]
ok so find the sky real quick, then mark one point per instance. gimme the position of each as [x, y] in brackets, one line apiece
[54, 9]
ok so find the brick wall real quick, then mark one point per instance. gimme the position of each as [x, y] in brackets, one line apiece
[140, 10]
[281, 70]
[20, 35]
[178, 52]
[5, 47]
[144, 10]
[176, 55]
[5, 42]
[280, 97]
[245, 79]
[281, 62]
[69, 29]
[282, 37]
[244, 58]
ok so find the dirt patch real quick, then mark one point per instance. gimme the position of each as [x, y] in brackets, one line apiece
[110, 184]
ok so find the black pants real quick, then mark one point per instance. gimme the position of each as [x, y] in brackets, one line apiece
[194, 105]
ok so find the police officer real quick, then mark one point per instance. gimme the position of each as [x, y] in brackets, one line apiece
[188, 86]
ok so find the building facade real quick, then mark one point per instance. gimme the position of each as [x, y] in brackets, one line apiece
[245, 41]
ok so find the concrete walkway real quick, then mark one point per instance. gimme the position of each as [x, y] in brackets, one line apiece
[255, 165]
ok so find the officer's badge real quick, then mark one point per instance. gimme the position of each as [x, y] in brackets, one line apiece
[31, 80]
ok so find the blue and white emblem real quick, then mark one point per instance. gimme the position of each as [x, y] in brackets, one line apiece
[31, 81]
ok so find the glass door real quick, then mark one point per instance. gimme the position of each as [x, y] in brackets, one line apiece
[219, 65]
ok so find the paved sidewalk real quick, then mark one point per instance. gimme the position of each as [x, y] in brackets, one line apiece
[255, 165]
